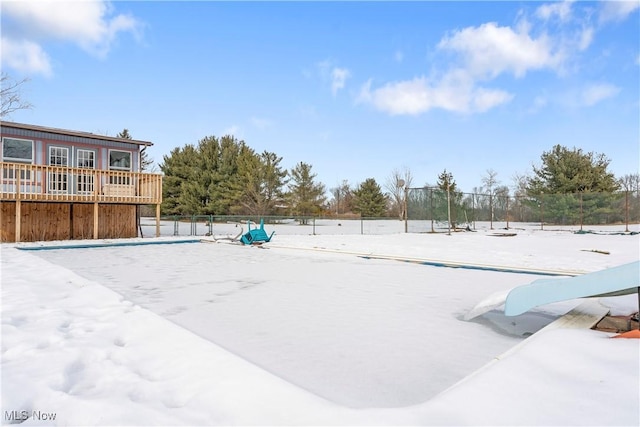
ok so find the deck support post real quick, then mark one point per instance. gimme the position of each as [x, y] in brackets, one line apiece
[95, 220]
[157, 220]
[18, 219]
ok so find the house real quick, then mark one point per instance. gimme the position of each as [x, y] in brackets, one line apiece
[61, 184]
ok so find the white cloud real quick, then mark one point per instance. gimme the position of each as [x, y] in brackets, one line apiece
[89, 24]
[338, 78]
[595, 93]
[617, 10]
[560, 9]
[586, 37]
[335, 75]
[455, 92]
[489, 50]
[25, 56]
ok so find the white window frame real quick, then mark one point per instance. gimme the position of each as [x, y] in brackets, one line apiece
[119, 168]
[8, 173]
[58, 181]
[64, 150]
[85, 181]
[17, 159]
[80, 156]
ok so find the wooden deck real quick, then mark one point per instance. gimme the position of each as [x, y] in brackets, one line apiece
[38, 183]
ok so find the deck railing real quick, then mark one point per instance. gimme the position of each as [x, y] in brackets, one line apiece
[21, 181]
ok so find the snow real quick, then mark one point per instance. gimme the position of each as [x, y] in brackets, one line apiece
[310, 329]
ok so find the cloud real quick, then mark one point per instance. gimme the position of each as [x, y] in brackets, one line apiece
[25, 56]
[489, 50]
[585, 38]
[595, 93]
[560, 9]
[455, 92]
[548, 40]
[335, 75]
[91, 25]
[617, 10]
[338, 78]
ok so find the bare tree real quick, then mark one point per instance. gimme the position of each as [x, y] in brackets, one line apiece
[395, 185]
[630, 182]
[10, 95]
[490, 185]
[342, 202]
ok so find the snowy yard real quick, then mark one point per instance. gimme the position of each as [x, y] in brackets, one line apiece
[308, 329]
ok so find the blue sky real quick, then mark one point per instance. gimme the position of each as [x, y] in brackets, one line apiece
[356, 89]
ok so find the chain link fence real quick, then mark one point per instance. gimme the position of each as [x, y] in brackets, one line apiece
[232, 225]
[430, 209]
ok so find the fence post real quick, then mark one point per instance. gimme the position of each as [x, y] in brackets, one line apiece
[314, 225]
[507, 211]
[361, 225]
[431, 206]
[626, 212]
[581, 212]
[491, 211]
[406, 209]
[541, 211]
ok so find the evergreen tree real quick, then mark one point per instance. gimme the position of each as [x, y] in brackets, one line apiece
[207, 179]
[369, 200]
[448, 200]
[446, 181]
[305, 196]
[265, 179]
[561, 186]
[145, 161]
[179, 169]
[565, 171]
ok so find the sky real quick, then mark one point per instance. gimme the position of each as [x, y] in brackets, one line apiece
[356, 89]
[186, 334]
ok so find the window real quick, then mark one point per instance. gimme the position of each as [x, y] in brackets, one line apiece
[58, 181]
[86, 159]
[120, 160]
[17, 151]
[58, 156]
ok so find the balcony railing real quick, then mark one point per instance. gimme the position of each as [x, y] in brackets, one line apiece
[21, 181]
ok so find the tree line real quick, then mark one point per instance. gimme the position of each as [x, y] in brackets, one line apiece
[224, 176]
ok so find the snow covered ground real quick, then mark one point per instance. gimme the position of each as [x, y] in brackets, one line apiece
[309, 329]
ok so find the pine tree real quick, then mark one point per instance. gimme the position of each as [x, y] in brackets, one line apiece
[145, 161]
[565, 171]
[305, 196]
[369, 200]
[265, 179]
